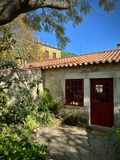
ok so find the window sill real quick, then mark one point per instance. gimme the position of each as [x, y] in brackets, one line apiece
[73, 105]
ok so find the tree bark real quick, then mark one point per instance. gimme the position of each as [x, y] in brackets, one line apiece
[10, 9]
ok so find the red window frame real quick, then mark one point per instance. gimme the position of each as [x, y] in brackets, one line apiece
[74, 94]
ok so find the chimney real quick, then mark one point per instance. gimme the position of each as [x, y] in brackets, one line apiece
[118, 46]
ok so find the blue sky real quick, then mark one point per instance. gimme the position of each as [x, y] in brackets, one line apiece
[100, 31]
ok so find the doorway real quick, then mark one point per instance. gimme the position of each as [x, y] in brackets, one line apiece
[102, 102]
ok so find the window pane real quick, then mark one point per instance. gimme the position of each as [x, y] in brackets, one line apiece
[106, 89]
[74, 92]
[99, 88]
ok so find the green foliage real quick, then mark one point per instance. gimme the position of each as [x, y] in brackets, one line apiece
[46, 117]
[3, 100]
[15, 126]
[17, 42]
[114, 136]
[75, 119]
[45, 97]
[52, 17]
[53, 21]
[48, 103]
[12, 148]
[30, 123]
[108, 5]
[6, 44]
[67, 54]
[29, 112]
[5, 129]
[8, 63]
[6, 39]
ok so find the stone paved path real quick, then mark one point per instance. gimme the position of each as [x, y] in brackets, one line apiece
[72, 143]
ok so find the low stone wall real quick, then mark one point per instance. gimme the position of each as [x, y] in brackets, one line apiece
[13, 82]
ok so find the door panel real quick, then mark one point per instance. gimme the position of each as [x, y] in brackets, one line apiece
[102, 102]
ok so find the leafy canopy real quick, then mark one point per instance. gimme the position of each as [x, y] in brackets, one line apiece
[51, 15]
[17, 41]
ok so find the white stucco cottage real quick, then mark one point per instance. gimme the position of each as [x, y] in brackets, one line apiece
[88, 82]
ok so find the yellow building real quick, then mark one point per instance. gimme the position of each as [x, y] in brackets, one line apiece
[49, 52]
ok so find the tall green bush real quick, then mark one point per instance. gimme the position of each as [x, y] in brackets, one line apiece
[3, 100]
[114, 136]
[49, 104]
[15, 126]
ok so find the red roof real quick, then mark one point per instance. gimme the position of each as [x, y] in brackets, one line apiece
[84, 59]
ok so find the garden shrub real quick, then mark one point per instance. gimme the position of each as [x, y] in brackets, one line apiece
[13, 149]
[114, 136]
[46, 117]
[16, 123]
[30, 123]
[45, 96]
[23, 107]
[48, 103]
[76, 119]
[27, 113]
[3, 100]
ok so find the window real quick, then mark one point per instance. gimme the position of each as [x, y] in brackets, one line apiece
[54, 55]
[74, 92]
[102, 93]
[46, 54]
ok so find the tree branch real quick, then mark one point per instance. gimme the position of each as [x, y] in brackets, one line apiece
[10, 9]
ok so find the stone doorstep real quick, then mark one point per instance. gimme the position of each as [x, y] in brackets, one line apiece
[99, 133]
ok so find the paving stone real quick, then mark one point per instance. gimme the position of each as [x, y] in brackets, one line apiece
[107, 157]
[111, 149]
[54, 156]
[91, 148]
[100, 150]
[89, 158]
[71, 143]
[89, 135]
[80, 132]
[84, 151]
[82, 142]
[72, 156]
[70, 149]
[106, 141]
[56, 145]
[56, 150]
[96, 142]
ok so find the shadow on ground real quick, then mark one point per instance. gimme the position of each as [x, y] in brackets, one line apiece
[72, 143]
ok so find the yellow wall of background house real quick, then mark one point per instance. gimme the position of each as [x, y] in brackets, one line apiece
[51, 50]
[41, 54]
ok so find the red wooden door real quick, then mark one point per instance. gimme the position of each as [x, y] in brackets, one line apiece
[102, 102]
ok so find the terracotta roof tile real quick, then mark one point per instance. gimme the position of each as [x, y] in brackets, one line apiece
[84, 59]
